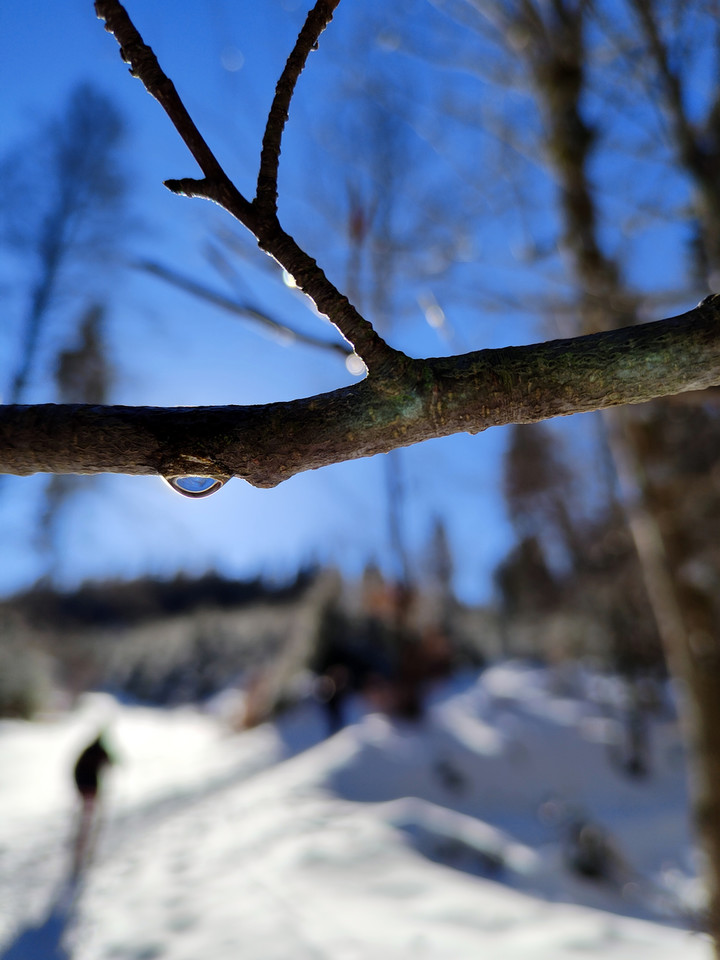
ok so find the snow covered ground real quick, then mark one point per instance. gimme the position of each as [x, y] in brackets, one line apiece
[446, 839]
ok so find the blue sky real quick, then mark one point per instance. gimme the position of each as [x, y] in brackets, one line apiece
[172, 350]
[224, 58]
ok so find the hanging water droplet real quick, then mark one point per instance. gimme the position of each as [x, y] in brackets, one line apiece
[195, 487]
[355, 365]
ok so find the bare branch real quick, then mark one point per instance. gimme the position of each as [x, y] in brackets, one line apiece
[402, 402]
[203, 292]
[144, 65]
[416, 401]
[317, 20]
[217, 186]
[311, 279]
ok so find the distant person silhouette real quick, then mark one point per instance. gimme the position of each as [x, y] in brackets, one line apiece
[87, 774]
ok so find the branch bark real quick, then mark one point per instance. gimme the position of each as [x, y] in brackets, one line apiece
[414, 401]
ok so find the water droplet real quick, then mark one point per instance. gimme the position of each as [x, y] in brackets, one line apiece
[195, 487]
[232, 59]
[355, 365]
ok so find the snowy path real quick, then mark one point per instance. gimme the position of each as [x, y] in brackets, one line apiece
[218, 846]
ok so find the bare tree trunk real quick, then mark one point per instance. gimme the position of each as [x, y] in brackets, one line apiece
[684, 616]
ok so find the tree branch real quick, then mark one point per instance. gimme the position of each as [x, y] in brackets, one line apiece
[258, 217]
[418, 400]
[144, 65]
[311, 279]
[401, 402]
[317, 20]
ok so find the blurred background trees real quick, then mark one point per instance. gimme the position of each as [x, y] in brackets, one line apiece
[65, 219]
[64, 204]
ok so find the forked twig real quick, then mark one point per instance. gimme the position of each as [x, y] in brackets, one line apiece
[260, 216]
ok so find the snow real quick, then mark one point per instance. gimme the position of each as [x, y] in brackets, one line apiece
[441, 839]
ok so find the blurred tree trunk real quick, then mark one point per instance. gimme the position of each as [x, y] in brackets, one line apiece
[73, 223]
[71, 171]
[656, 509]
[373, 278]
[83, 374]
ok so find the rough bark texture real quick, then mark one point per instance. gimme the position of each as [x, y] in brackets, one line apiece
[410, 401]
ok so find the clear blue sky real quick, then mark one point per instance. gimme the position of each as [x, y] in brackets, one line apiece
[171, 350]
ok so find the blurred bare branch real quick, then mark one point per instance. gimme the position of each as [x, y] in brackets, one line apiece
[280, 330]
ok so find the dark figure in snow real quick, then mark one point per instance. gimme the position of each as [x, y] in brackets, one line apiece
[87, 774]
[88, 768]
[587, 851]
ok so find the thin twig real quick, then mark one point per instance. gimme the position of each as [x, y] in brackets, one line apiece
[144, 65]
[311, 279]
[203, 292]
[317, 20]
